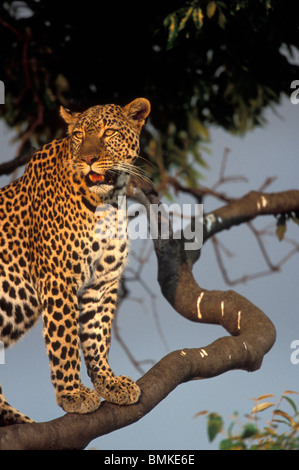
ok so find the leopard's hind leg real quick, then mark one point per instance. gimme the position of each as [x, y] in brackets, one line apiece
[10, 415]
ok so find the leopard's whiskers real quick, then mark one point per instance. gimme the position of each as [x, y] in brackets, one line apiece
[131, 169]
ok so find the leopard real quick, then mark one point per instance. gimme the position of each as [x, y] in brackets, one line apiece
[59, 258]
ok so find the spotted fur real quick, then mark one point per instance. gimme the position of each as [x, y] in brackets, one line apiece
[57, 258]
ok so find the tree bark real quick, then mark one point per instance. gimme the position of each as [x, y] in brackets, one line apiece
[251, 332]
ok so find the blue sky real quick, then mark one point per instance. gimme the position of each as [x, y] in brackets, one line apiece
[269, 151]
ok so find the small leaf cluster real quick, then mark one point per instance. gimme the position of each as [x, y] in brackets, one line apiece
[281, 223]
[280, 432]
[195, 12]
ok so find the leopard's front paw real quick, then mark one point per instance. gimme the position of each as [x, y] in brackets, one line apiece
[84, 400]
[121, 390]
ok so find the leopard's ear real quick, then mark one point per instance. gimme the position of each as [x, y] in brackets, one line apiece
[69, 118]
[138, 110]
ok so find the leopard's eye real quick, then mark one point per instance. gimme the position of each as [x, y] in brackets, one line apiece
[78, 134]
[109, 132]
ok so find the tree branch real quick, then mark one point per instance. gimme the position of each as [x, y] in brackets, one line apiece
[8, 167]
[252, 333]
[248, 207]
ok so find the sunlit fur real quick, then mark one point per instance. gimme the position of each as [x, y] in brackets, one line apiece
[54, 263]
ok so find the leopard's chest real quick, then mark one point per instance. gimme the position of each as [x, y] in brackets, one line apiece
[102, 247]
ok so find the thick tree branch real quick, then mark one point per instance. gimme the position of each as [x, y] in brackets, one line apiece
[74, 431]
[252, 333]
[248, 207]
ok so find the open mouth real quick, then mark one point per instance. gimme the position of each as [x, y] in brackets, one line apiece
[109, 178]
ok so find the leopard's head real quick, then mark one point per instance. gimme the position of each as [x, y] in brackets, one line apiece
[104, 142]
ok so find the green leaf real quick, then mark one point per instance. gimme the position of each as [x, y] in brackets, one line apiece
[185, 18]
[249, 431]
[226, 444]
[286, 416]
[215, 424]
[293, 405]
[281, 227]
[261, 407]
[197, 16]
[211, 8]
[221, 20]
[197, 129]
[231, 444]
[171, 21]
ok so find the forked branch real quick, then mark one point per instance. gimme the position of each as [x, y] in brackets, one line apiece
[252, 334]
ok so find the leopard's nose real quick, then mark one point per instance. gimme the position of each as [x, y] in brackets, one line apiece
[89, 160]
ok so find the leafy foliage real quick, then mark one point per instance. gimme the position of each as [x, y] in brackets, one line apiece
[199, 62]
[253, 436]
[215, 424]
